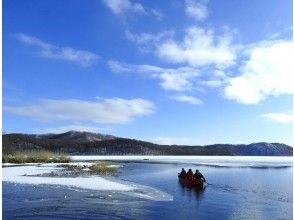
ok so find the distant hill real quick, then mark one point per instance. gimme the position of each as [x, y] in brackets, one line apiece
[82, 143]
[80, 137]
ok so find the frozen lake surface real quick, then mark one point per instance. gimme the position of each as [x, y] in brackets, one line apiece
[148, 188]
[217, 161]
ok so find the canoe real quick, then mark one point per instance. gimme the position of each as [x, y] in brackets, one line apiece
[191, 183]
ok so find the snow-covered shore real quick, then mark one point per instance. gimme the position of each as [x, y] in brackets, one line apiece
[31, 175]
[40, 174]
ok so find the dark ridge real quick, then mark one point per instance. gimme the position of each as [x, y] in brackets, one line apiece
[87, 143]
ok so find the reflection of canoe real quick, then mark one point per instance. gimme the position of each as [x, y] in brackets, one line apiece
[191, 183]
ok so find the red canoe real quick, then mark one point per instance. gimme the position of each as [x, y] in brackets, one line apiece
[191, 183]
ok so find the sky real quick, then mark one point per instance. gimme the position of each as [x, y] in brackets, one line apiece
[191, 72]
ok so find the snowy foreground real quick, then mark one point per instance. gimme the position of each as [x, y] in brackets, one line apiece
[216, 161]
[38, 174]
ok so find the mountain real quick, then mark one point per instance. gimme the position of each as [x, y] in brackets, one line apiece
[268, 149]
[80, 137]
[74, 142]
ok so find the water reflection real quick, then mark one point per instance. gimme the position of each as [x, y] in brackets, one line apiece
[49, 202]
[190, 192]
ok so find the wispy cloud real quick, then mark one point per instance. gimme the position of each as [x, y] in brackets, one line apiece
[216, 79]
[196, 10]
[50, 51]
[119, 7]
[122, 7]
[279, 117]
[187, 99]
[148, 42]
[148, 38]
[156, 13]
[104, 111]
[275, 35]
[268, 71]
[178, 79]
[200, 48]
[266, 67]
[212, 83]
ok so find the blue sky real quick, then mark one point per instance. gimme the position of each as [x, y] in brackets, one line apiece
[173, 72]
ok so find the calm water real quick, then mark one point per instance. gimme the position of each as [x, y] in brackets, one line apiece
[234, 193]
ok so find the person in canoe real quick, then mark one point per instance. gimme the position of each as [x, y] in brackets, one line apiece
[183, 173]
[189, 175]
[198, 176]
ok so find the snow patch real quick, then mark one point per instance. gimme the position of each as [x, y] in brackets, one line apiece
[25, 175]
[31, 175]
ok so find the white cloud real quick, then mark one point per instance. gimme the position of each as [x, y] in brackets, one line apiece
[156, 13]
[196, 10]
[212, 83]
[199, 48]
[82, 128]
[119, 7]
[275, 35]
[50, 51]
[122, 7]
[220, 74]
[105, 111]
[147, 38]
[148, 42]
[218, 78]
[268, 71]
[201, 54]
[279, 117]
[188, 99]
[178, 79]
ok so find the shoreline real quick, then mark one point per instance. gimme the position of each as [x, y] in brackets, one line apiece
[211, 161]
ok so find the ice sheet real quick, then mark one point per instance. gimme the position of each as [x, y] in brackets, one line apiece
[221, 161]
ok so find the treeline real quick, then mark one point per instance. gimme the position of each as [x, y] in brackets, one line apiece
[122, 146]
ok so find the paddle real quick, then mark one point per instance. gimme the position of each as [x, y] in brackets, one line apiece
[208, 183]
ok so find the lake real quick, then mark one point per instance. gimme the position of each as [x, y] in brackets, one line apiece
[258, 188]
